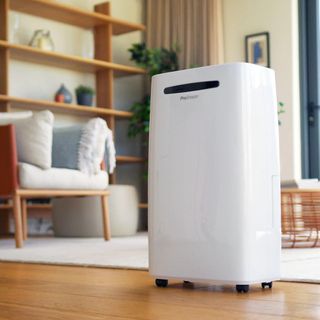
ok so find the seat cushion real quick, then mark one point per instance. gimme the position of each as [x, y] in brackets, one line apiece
[32, 177]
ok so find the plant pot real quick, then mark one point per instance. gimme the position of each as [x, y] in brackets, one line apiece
[85, 99]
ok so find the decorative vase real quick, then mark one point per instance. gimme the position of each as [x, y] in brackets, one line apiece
[63, 95]
[85, 99]
[42, 40]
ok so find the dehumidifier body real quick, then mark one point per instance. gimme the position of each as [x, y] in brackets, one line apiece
[214, 180]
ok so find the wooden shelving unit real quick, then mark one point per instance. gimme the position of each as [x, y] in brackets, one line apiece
[104, 27]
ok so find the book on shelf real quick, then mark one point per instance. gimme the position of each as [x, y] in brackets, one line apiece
[301, 184]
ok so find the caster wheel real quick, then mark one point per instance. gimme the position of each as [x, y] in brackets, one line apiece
[266, 284]
[162, 283]
[242, 288]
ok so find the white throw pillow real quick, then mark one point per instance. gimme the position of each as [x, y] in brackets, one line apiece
[34, 139]
[13, 117]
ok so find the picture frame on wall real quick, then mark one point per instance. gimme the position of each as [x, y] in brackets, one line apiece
[258, 49]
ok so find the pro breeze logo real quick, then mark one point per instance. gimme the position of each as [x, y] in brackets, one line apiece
[189, 97]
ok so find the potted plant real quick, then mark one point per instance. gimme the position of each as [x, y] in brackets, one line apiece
[84, 95]
[154, 61]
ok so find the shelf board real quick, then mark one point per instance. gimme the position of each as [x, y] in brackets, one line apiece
[61, 60]
[29, 206]
[72, 15]
[5, 206]
[143, 205]
[39, 206]
[22, 103]
[129, 159]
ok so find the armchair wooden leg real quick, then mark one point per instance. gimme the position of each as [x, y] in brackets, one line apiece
[106, 219]
[24, 218]
[18, 221]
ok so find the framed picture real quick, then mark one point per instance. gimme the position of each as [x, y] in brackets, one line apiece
[257, 49]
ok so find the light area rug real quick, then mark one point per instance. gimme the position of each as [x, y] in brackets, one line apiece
[301, 265]
[124, 252]
[132, 253]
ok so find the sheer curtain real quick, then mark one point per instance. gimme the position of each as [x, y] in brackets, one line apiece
[194, 25]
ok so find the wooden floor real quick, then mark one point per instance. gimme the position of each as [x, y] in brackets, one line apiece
[53, 292]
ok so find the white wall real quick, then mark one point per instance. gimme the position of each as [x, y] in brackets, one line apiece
[280, 19]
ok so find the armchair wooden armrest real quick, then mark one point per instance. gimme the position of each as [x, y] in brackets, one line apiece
[9, 176]
[8, 161]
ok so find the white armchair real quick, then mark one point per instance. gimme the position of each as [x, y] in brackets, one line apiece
[22, 181]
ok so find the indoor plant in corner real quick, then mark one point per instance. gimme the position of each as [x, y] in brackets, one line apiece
[84, 95]
[154, 61]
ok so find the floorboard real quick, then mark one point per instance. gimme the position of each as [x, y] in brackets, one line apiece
[30, 291]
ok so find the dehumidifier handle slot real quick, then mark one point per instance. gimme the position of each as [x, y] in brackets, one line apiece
[194, 86]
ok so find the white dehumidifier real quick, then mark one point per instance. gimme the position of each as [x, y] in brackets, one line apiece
[214, 186]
